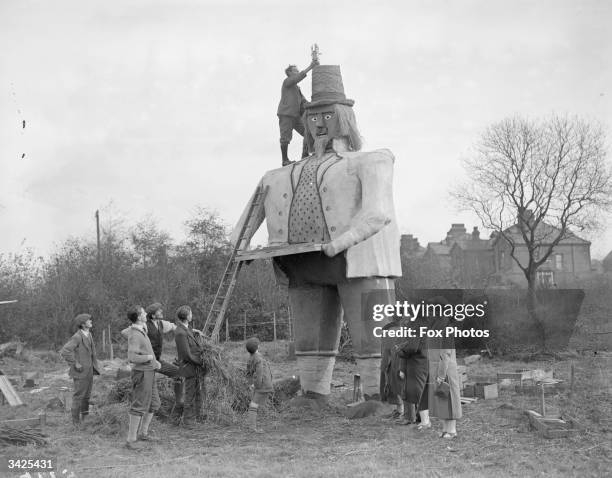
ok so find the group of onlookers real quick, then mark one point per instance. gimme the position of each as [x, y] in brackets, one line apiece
[420, 374]
[145, 338]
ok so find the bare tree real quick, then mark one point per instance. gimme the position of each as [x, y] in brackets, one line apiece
[532, 182]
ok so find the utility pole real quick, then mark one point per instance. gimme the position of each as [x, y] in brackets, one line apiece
[98, 234]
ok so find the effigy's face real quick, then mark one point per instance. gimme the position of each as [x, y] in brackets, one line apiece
[323, 121]
[323, 125]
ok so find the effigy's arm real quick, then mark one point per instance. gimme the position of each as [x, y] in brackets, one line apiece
[376, 175]
[257, 220]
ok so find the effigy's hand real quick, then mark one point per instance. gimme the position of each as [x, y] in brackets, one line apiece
[402, 375]
[328, 250]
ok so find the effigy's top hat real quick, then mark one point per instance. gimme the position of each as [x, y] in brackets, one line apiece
[327, 87]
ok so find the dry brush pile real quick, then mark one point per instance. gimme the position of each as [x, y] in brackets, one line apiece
[226, 398]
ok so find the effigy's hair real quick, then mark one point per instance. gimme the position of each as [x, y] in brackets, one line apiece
[289, 68]
[348, 127]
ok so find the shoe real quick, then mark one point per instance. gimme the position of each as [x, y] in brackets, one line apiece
[448, 436]
[148, 437]
[407, 422]
[134, 445]
[287, 162]
[424, 426]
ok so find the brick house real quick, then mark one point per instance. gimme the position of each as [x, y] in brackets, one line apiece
[472, 261]
[569, 262]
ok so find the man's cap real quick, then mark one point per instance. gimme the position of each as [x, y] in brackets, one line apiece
[327, 87]
[79, 320]
[252, 345]
[154, 307]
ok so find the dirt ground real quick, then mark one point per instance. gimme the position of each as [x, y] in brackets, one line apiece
[494, 435]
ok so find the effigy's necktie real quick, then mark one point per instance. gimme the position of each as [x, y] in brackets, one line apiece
[306, 220]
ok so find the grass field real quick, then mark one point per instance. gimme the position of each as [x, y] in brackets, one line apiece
[495, 439]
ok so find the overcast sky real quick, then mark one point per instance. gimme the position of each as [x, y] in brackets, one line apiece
[159, 106]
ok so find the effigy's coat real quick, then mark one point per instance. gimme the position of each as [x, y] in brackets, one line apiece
[356, 190]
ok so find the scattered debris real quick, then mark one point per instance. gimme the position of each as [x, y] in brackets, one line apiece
[38, 390]
[12, 436]
[285, 389]
[471, 359]
[37, 422]
[484, 390]
[364, 409]
[552, 427]
[12, 349]
[552, 384]
[31, 379]
[54, 404]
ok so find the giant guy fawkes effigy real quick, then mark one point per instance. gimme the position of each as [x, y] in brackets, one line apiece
[333, 236]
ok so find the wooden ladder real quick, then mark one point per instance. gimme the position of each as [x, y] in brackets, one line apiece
[228, 281]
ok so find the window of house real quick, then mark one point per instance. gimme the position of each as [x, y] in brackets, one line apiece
[559, 261]
[546, 279]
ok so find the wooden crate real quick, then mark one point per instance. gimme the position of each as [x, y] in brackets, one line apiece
[469, 390]
[553, 427]
[486, 390]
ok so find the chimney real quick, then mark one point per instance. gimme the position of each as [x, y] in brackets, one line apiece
[475, 234]
[524, 215]
[409, 244]
[456, 232]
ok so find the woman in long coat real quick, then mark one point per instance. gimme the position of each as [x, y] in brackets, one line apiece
[404, 372]
[413, 371]
[442, 365]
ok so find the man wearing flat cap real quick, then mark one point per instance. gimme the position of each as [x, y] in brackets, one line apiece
[342, 198]
[80, 353]
[291, 107]
[156, 329]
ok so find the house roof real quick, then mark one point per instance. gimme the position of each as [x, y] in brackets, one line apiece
[474, 245]
[438, 249]
[543, 233]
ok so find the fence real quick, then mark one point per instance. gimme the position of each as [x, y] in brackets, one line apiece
[266, 325]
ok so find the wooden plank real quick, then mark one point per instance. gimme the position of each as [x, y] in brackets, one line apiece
[276, 251]
[551, 427]
[26, 422]
[9, 392]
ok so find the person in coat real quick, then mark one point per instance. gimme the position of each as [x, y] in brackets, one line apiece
[80, 353]
[290, 109]
[442, 397]
[412, 369]
[391, 384]
[189, 348]
[145, 397]
[260, 375]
